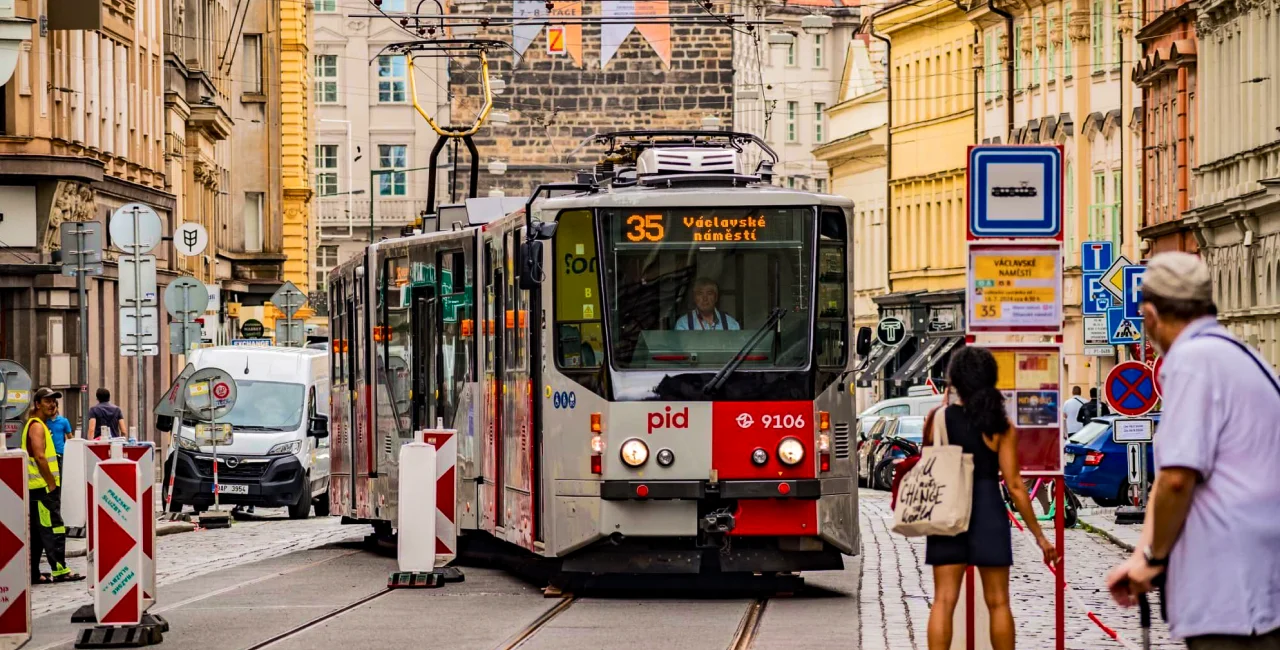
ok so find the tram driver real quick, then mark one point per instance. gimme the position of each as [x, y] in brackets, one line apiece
[706, 315]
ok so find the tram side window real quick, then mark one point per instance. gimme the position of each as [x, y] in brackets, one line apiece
[336, 330]
[394, 347]
[457, 340]
[579, 332]
[833, 290]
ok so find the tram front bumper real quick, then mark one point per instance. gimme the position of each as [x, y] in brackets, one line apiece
[808, 488]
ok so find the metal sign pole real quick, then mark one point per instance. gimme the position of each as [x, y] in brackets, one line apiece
[139, 328]
[81, 270]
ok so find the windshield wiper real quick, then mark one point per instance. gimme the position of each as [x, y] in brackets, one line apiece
[736, 362]
[254, 427]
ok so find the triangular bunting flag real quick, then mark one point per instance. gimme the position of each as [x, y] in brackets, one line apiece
[612, 35]
[659, 36]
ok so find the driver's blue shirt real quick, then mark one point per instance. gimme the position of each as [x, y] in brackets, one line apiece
[691, 321]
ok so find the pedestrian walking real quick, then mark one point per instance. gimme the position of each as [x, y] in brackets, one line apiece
[1212, 529]
[1071, 410]
[60, 428]
[977, 422]
[1089, 410]
[44, 482]
[104, 414]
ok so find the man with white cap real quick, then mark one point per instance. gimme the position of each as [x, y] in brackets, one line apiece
[1213, 519]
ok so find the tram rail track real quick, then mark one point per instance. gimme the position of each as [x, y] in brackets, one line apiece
[331, 614]
[527, 632]
[745, 635]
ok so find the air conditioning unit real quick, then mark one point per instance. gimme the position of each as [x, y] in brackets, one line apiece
[687, 160]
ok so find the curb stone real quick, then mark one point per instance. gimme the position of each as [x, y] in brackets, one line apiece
[1108, 536]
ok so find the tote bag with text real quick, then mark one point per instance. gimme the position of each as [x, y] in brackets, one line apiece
[936, 496]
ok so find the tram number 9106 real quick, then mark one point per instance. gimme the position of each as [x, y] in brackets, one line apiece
[788, 421]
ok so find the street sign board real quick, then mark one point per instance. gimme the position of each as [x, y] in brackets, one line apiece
[252, 343]
[1130, 389]
[183, 335]
[1015, 191]
[186, 298]
[890, 330]
[135, 228]
[1156, 367]
[1113, 277]
[211, 393]
[138, 280]
[15, 389]
[1132, 277]
[290, 333]
[190, 239]
[215, 298]
[1096, 256]
[81, 247]
[1136, 454]
[251, 329]
[1095, 300]
[174, 399]
[145, 333]
[1095, 330]
[1014, 288]
[133, 351]
[1132, 429]
[1121, 330]
[289, 299]
[555, 39]
[1099, 351]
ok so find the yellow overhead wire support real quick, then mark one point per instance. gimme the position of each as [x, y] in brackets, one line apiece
[480, 118]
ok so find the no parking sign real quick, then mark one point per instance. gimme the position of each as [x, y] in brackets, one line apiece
[1131, 389]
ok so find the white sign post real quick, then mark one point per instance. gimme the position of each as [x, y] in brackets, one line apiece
[136, 229]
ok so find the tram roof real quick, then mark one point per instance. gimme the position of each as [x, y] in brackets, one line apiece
[692, 196]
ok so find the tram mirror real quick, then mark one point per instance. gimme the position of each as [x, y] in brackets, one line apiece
[544, 230]
[530, 264]
[864, 341]
[319, 426]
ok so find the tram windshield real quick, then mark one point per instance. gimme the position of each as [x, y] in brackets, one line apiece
[691, 287]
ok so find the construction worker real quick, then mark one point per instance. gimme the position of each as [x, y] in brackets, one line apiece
[44, 482]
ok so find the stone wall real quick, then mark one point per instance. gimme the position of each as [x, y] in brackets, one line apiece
[554, 103]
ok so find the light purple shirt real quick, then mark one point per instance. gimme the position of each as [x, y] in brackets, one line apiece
[1222, 418]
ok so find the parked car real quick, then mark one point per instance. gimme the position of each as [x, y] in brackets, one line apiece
[867, 447]
[1097, 466]
[919, 401]
[900, 441]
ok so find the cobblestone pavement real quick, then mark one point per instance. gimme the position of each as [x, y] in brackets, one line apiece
[188, 555]
[897, 589]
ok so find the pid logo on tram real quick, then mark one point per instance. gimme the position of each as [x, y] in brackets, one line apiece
[668, 419]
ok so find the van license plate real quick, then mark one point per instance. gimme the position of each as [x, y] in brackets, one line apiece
[225, 488]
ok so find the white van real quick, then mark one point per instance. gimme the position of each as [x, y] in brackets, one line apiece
[919, 401]
[279, 452]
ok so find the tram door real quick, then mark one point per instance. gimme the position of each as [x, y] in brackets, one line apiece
[494, 299]
[356, 386]
[425, 383]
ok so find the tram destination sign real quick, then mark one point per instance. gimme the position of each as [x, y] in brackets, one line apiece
[712, 225]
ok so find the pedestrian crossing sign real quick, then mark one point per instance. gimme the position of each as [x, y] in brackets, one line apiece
[1121, 330]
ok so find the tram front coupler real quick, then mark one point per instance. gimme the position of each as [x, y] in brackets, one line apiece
[717, 523]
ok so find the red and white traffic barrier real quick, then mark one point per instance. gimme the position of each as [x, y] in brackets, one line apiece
[144, 454]
[15, 558]
[96, 451]
[75, 484]
[117, 525]
[446, 490]
[416, 506]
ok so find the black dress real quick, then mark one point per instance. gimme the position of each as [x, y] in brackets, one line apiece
[988, 542]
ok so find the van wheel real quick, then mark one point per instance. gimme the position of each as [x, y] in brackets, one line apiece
[322, 505]
[301, 509]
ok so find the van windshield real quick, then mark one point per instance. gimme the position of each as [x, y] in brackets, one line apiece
[265, 406]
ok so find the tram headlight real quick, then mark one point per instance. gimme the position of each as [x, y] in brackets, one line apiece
[759, 457]
[790, 451]
[634, 452]
[665, 457]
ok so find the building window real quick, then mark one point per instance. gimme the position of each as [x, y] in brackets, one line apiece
[253, 222]
[1018, 63]
[393, 5]
[326, 259]
[791, 51]
[1098, 207]
[1050, 66]
[989, 66]
[392, 156]
[1035, 56]
[1117, 42]
[819, 123]
[1117, 200]
[391, 78]
[326, 169]
[820, 185]
[325, 6]
[253, 63]
[819, 48]
[326, 78]
[1095, 35]
[791, 183]
[793, 108]
[1071, 218]
[1067, 64]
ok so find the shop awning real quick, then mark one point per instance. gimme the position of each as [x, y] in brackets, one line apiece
[879, 358]
[930, 350]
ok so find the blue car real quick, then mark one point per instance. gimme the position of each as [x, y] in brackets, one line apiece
[1096, 465]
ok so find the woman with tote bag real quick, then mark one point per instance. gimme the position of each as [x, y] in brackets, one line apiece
[976, 421]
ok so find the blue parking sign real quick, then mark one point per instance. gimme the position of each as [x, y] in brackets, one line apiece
[1132, 276]
[1096, 256]
[1094, 300]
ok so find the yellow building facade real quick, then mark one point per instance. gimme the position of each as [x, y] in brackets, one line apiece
[295, 95]
[931, 125]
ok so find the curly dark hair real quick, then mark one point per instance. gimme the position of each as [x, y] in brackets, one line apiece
[972, 373]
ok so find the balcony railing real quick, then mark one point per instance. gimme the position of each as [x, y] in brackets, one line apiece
[332, 211]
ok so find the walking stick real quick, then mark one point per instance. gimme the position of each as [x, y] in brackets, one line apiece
[1144, 618]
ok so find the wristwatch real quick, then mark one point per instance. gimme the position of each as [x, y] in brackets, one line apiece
[1152, 560]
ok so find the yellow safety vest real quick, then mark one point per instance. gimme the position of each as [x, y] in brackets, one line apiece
[35, 480]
